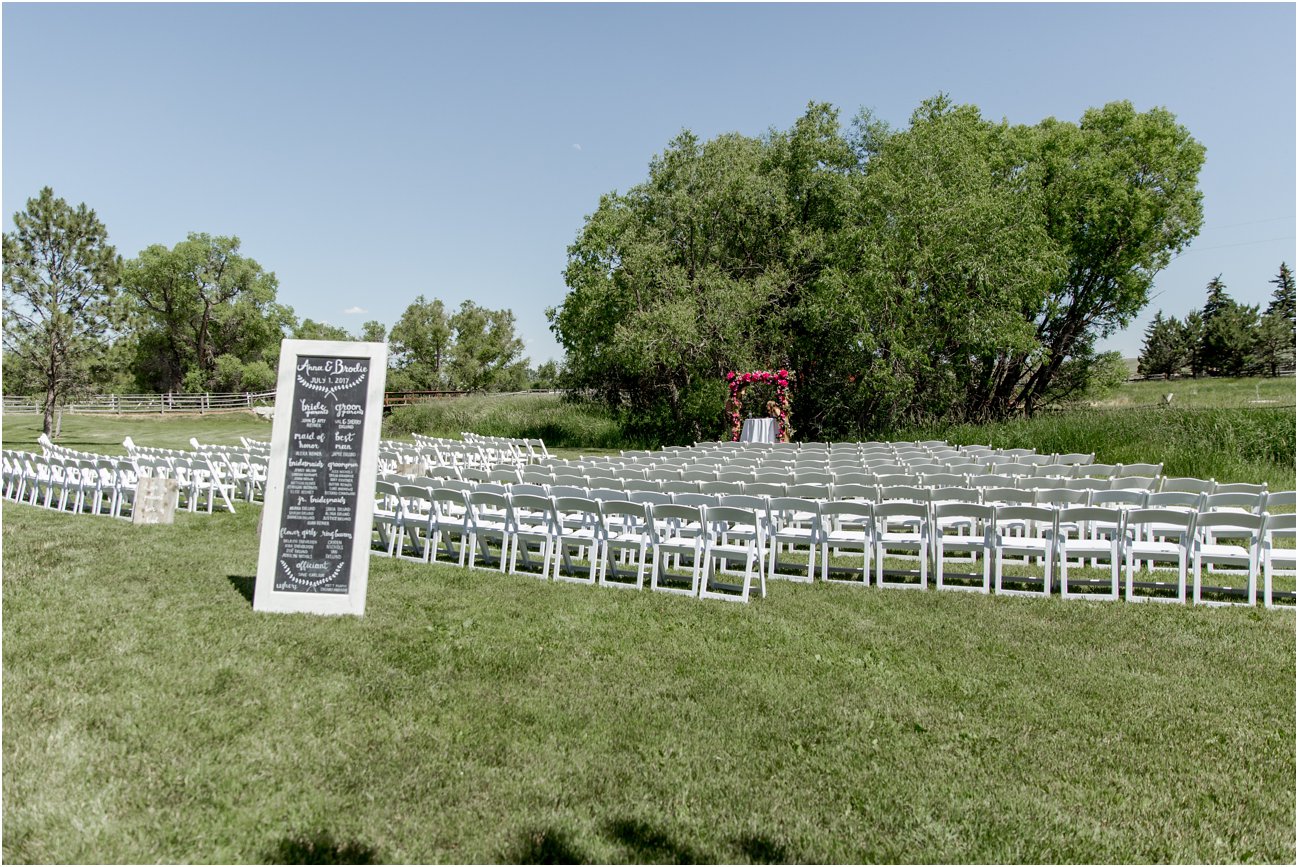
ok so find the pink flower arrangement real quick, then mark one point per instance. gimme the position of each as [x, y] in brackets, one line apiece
[781, 410]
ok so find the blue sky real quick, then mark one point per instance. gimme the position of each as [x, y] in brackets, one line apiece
[370, 153]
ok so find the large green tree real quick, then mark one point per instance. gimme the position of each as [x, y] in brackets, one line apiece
[419, 343]
[204, 312]
[955, 268]
[486, 354]
[60, 277]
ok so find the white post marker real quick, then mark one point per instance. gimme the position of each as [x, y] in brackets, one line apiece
[324, 454]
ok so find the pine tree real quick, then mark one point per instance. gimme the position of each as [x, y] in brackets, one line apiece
[1282, 299]
[1164, 351]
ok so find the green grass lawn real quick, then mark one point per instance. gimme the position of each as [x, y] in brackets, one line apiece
[151, 715]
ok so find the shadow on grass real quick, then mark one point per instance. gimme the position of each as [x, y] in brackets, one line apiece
[546, 846]
[320, 847]
[762, 850]
[647, 843]
[245, 584]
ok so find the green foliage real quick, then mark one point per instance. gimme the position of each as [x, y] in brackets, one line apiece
[60, 278]
[418, 347]
[486, 354]
[1282, 299]
[1164, 351]
[373, 331]
[309, 329]
[957, 268]
[196, 302]
[1229, 330]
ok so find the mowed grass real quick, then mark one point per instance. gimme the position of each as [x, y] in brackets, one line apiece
[151, 715]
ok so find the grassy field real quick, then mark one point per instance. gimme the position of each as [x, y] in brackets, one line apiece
[151, 715]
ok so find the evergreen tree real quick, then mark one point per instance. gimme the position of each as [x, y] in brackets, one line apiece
[1282, 299]
[60, 280]
[1229, 332]
[1192, 340]
[1164, 351]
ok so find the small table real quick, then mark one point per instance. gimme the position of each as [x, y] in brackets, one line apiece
[758, 430]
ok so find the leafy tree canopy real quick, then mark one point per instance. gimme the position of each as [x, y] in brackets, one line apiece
[955, 268]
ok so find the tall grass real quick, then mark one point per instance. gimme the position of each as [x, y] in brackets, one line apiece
[548, 417]
[1237, 445]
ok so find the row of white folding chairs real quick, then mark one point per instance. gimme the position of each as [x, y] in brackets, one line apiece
[530, 450]
[929, 532]
[612, 544]
[100, 486]
[247, 469]
[716, 466]
[1131, 491]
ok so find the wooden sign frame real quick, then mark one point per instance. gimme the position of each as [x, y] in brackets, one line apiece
[319, 501]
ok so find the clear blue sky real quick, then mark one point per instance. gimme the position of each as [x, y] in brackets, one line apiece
[370, 153]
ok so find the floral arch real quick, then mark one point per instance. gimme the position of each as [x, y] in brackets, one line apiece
[779, 408]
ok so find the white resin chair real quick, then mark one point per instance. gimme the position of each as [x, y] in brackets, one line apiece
[962, 528]
[626, 532]
[795, 525]
[580, 526]
[1028, 533]
[1277, 559]
[847, 525]
[1226, 539]
[676, 532]
[732, 534]
[1157, 536]
[1082, 534]
[901, 526]
[533, 523]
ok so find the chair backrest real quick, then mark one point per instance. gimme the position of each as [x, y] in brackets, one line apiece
[766, 489]
[970, 510]
[847, 508]
[906, 493]
[943, 480]
[955, 495]
[1186, 485]
[1039, 517]
[1247, 502]
[991, 480]
[1075, 459]
[1058, 498]
[1139, 470]
[851, 491]
[1096, 517]
[1087, 484]
[1239, 488]
[1280, 500]
[901, 509]
[668, 519]
[1134, 483]
[637, 512]
[1170, 522]
[680, 486]
[1133, 499]
[1278, 526]
[651, 497]
[1210, 523]
[1097, 471]
[689, 499]
[1008, 497]
[568, 491]
[1174, 499]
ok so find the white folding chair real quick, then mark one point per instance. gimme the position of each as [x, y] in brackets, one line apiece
[676, 532]
[846, 525]
[796, 523]
[1277, 559]
[579, 530]
[1029, 533]
[1157, 536]
[732, 534]
[901, 526]
[1226, 539]
[533, 524]
[1089, 532]
[626, 532]
[488, 523]
[962, 528]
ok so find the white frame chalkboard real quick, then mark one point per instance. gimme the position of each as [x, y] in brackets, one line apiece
[288, 393]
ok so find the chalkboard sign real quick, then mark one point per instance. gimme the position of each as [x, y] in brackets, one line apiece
[314, 553]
